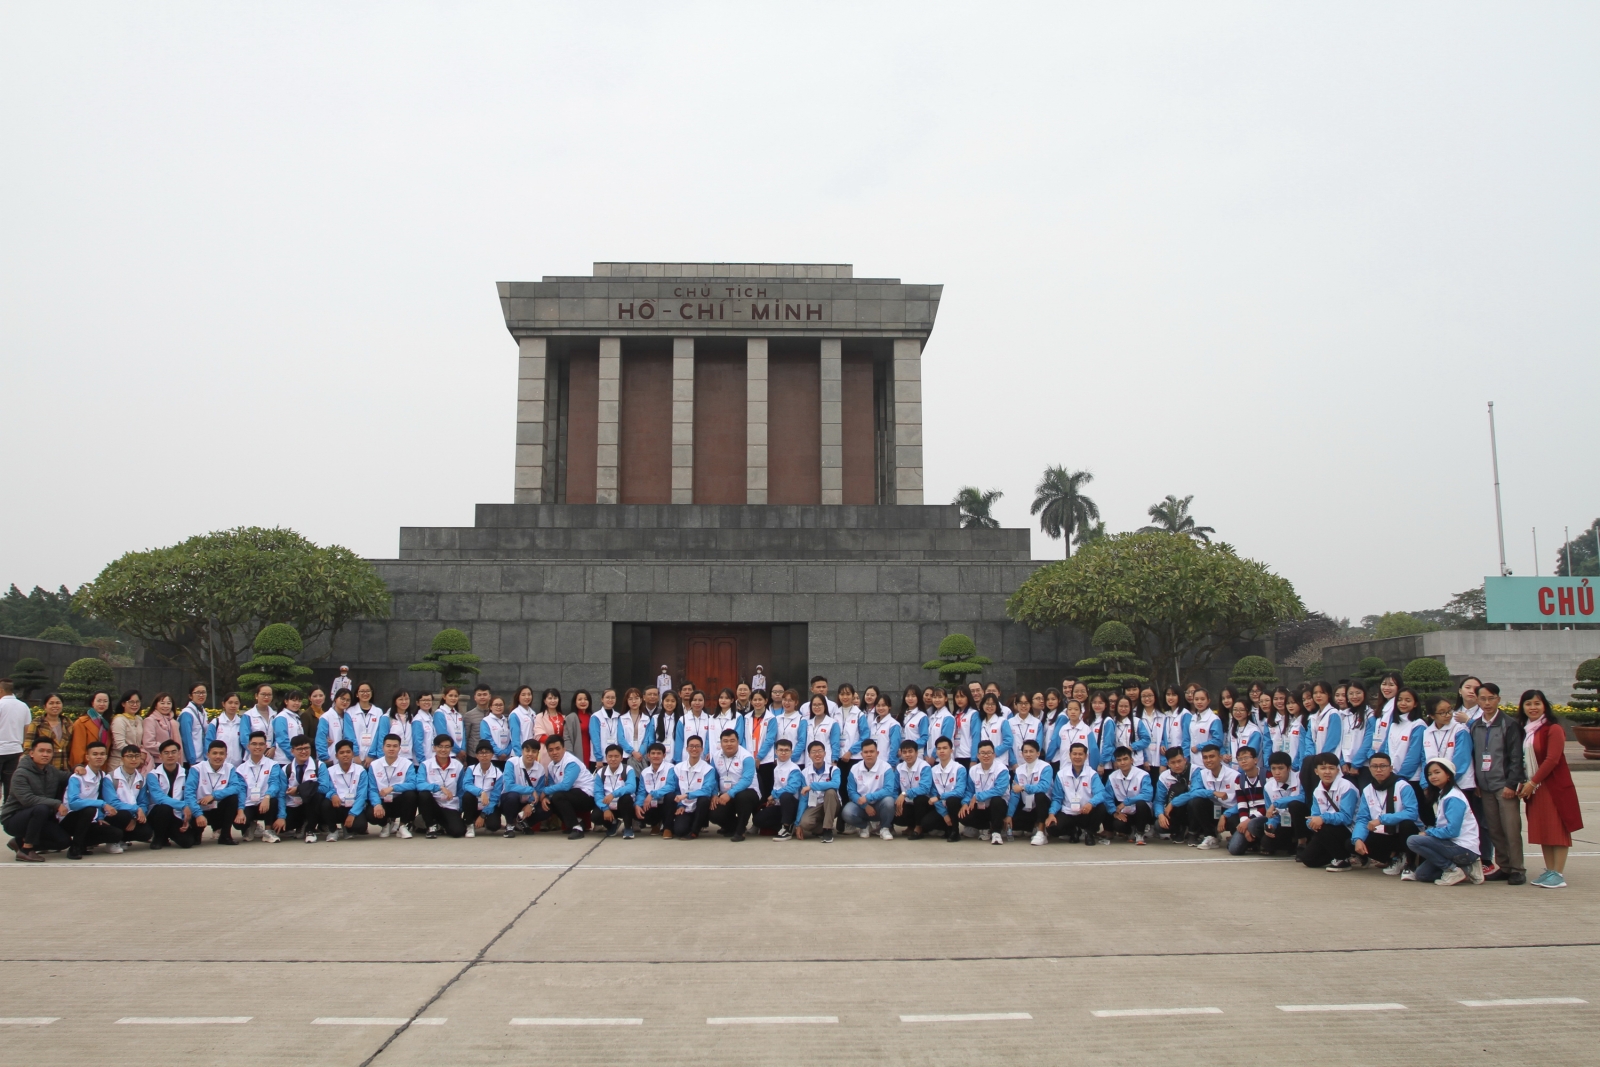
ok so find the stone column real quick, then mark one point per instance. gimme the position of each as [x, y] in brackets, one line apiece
[755, 448]
[908, 421]
[832, 371]
[683, 420]
[606, 429]
[530, 487]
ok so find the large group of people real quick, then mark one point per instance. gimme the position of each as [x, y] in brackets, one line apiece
[1338, 775]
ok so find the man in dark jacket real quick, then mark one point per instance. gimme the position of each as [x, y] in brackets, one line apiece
[32, 803]
[1497, 761]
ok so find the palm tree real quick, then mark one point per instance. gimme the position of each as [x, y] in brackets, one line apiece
[1172, 516]
[1088, 533]
[1059, 502]
[975, 505]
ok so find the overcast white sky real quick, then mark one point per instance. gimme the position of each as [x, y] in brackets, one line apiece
[1274, 255]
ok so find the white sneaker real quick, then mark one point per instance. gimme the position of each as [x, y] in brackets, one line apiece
[1038, 838]
[333, 835]
[996, 839]
[1408, 876]
[1454, 876]
[403, 832]
[311, 839]
[115, 848]
[886, 833]
[1209, 843]
[970, 831]
[865, 833]
[1138, 839]
[1475, 872]
[1395, 867]
[472, 831]
[269, 837]
[386, 831]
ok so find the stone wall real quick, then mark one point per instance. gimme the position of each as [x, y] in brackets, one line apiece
[1514, 660]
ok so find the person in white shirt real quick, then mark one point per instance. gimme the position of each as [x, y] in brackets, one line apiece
[344, 789]
[758, 680]
[361, 725]
[1031, 784]
[261, 715]
[299, 801]
[126, 794]
[259, 780]
[695, 781]
[391, 799]
[664, 680]
[14, 719]
[655, 791]
[1130, 798]
[819, 794]
[1216, 782]
[341, 683]
[986, 808]
[568, 788]
[782, 807]
[616, 787]
[914, 795]
[873, 788]
[736, 799]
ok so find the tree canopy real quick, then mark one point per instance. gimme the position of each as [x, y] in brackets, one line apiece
[276, 647]
[216, 591]
[958, 657]
[1183, 600]
[976, 505]
[1061, 505]
[1172, 516]
[450, 658]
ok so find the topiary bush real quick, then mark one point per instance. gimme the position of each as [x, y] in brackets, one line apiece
[29, 675]
[1251, 670]
[82, 678]
[1116, 664]
[274, 664]
[958, 657]
[1586, 687]
[450, 658]
[1428, 676]
[1371, 668]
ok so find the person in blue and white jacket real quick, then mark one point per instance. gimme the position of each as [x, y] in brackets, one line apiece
[1032, 787]
[913, 717]
[419, 743]
[1026, 725]
[873, 786]
[568, 790]
[1333, 816]
[391, 796]
[1447, 850]
[880, 725]
[951, 788]
[260, 781]
[361, 726]
[693, 784]
[229, 728]
[1070, 729]
[1323, 733]
[991, 725]
[300, 799]
[89, 807]
[124, 788]
[819, 794]
[985, 810]
[211, 793]
[604, 727]
[497, 729]
[1242, 731]
[344, 790]
[736, 799]
[1386, 816]
[519, 790]
[781, 809]
[1205, 727]
[330, 727]
[163, 800]
[820, 726]
[914, 793]
[940, 723]
[1286, 807]
[286, 726]
[1121, 729]
[259, 716]
[192, 723]
[480, 791]
[616, 788]
[654, 801]
[1129, 799]
[1077, 799]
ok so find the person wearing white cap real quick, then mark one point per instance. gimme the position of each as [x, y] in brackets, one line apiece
[1447, 850]
[341, 682]
[758, 680]
[664, 679]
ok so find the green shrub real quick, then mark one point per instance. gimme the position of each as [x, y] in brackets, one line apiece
[1586, 688]
[450, 658]
[1116, 665]
[1253, 669]
[82, 678]
[1403, 624]
[60, 632]
[1427, 676]
[29, 675]
[1371, 668]
[274, 664]
[1113, 635]
[1314, 670]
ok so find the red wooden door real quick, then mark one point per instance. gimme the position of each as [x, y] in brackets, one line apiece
[712, 664]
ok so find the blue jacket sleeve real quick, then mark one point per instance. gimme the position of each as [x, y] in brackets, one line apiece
[186, 736]
[1408, 762]
[1455, 810]
[280, 734]
[1363, 751]
[1335, 733]
[708, 788]
[568, 779]
[597, 748]
[746, 776]
[324, 754]
[1346, 815]
[1359, 831]
[1462, 754]
[669, 786]
[1001, 786]
[769, 737]
[1405, 807]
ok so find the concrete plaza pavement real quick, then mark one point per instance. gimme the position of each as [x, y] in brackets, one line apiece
[424, 952]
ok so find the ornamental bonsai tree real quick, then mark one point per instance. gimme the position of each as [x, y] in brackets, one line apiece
[958, 657]
[29, 675]
[1254, 670]
[1116, 664]
[82, 678]
[1586, 694]
[1371, 668]
[274, 664]
[1428, 676]
[451, 658]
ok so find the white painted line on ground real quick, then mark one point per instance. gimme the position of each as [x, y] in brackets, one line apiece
[576, 1022]
[769, 1020]
[1387, 1006]
[1128, 1013]
[1520, 1002]
[430, 1022]
[30, 1020]
[118, 866]
[184, 1020]
[974, 1017]
[1042, 864]
[370, 1020]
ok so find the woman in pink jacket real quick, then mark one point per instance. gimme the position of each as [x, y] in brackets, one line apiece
[160, 726]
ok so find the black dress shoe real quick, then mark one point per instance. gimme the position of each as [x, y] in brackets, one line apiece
[28, 855]
[74, 853]
[157, 846]
[1515, 878]
[1502, 875]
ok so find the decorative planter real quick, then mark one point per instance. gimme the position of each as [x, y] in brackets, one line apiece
[1589, 737]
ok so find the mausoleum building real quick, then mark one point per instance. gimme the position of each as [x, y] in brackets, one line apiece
[717, 465]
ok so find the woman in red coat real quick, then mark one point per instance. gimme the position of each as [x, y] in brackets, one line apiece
[1552, 801]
